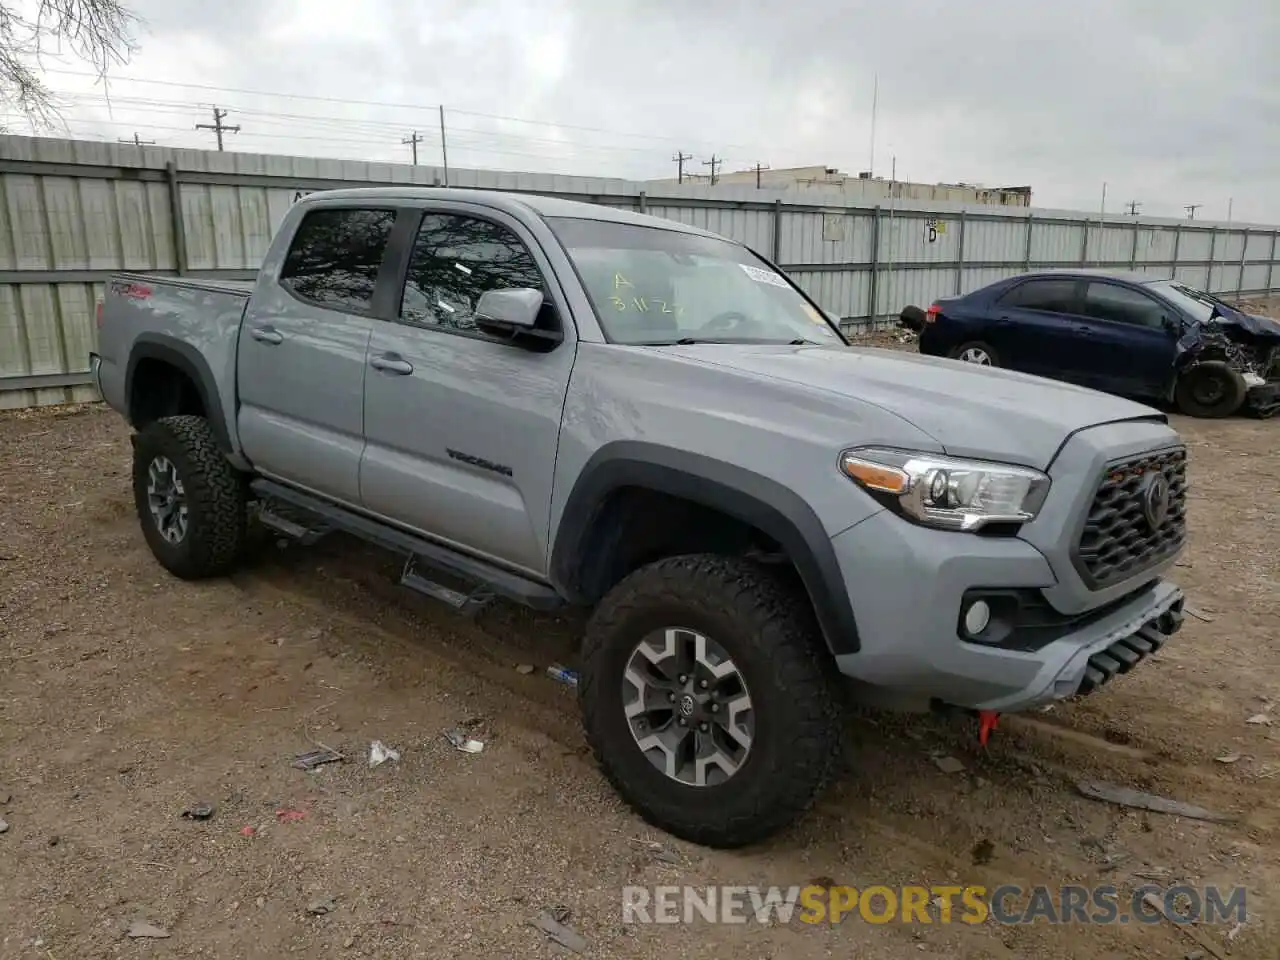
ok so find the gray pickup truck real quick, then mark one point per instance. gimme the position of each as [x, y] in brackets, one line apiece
[561, 403]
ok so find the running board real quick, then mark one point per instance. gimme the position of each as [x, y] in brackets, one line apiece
[468, 604]
[287, 527]
[490, 579]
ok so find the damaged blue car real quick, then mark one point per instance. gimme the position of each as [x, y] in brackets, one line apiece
[1158, 340]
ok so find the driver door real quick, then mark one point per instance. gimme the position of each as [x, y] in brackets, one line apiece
[461, 429]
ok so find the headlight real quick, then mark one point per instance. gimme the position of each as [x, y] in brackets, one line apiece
[944, 492]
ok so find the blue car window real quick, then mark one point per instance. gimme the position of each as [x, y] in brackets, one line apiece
[1108, 301]
[1054, 296]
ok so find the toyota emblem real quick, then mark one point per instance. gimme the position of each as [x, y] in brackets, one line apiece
[1155, 499]
[686, 706]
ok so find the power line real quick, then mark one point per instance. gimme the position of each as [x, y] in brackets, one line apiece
[714, 164]
[375, 103]
[413, 142]
[679, 160]
[351, 123]
[218, 126]
[135, 140]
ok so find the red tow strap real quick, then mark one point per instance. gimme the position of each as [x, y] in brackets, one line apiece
[988, 720]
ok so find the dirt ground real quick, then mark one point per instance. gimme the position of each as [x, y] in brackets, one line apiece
[127, 696]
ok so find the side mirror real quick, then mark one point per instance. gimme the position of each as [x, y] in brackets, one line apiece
[1172, 324]
[513, 309]
[513, 315]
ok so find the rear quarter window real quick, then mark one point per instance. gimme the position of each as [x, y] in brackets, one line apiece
[336, 255]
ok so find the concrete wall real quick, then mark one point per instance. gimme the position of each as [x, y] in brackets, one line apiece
[72, 212]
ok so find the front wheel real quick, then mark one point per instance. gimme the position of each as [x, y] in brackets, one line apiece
[709, 699]
[1210, 390]
[191, 502]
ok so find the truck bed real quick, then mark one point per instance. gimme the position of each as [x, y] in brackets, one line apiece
[190, 323]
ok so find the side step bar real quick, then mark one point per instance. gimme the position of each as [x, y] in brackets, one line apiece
[491, 580]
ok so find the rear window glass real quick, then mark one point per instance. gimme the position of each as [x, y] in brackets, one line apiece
[336, 255]
[1055, 296]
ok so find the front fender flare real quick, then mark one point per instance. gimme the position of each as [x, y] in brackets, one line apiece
[749, 497]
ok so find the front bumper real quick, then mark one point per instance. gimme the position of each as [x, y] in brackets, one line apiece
[907, 602]
[1263, 401]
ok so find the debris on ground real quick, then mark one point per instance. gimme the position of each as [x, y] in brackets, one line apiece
[1228, 758]
[563, 675]
[948, 764]
[141, 930]
[558, 932]
[248, 832]
[982, 853]
[657, 850]
[1152, 901]
[462, 742]
[525, 669]
[290, 815]
[1260, 720]
[4, 827]
[199, 811]
[1111, 793]
[380, 753]
[321, 905]
[317, 758]
[1201, 615]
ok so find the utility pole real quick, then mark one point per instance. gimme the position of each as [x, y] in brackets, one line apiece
[444, 147]
[413, 142]
[714, 164]
[1134, 206]
[1231, 201]
[218, 126]
[760, 167]
[136, 140]
[679, 160]
[875, 95]
[1191, 209]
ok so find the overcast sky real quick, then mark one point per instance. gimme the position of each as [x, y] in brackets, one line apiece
[1168, 101]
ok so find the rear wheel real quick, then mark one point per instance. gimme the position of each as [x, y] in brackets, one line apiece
[1210, 390]
[191, 502]
[976, 352]
[709, 699]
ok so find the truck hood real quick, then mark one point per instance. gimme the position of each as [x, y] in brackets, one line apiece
[969, 410]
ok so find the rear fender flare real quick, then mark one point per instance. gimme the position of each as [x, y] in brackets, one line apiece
[186, 359]
[749, 497]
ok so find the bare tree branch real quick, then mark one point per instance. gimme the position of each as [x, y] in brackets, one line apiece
[99, 32]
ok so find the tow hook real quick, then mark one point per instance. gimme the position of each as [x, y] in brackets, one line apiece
[988, 720]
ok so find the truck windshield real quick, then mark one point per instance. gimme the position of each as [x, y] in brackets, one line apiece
[655, 286]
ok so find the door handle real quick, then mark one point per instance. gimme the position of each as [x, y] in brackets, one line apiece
[391, 364]
[1084, 332]
[267, 335]
[1003, 322]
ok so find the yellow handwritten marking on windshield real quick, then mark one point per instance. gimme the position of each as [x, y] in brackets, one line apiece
[646, 305]
[814, 315]
[619, 281]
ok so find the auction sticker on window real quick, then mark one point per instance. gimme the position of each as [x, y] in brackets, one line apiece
[763, 276]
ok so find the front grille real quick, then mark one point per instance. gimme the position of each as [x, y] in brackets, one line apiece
[1119, 539]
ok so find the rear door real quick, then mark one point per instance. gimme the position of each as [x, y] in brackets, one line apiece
[302, 363]
[1036, 328]
[1130, 350]
[462, 428]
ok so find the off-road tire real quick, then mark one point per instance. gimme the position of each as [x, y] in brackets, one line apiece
[958, 352]
[1232, 390]
[216, 496]
[770, 631]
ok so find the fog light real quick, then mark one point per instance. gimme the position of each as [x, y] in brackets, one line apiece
[977, 617]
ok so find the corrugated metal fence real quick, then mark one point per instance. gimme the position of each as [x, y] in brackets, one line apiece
[72, 212]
